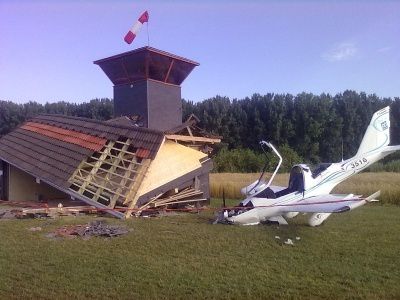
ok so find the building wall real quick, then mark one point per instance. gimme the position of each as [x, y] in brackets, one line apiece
[159, 104]
[164, 105]
[205, 185]
[23, 187]
[3, 171]
[131, 100]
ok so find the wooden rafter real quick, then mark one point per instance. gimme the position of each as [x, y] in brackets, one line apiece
[102, 180]
[132, 196]
[169, 70]
[105, 170]
[186, 138]
[110, 175]
[123, 183]
[96, 167]
[181, 202]
[189, 131]
[98, 186]
[125, 70]
[113, 167]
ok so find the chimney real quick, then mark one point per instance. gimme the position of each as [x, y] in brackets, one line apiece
[147, 85]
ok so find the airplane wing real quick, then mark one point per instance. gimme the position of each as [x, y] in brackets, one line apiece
[331, 203]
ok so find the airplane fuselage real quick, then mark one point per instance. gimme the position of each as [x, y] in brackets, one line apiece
[309, 190]
[265, 208]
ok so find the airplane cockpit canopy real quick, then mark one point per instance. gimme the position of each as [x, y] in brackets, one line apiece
[296, 179]
[318, 169]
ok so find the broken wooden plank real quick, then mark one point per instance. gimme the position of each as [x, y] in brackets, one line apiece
[59, 210]
[180, 202]
[185, 138]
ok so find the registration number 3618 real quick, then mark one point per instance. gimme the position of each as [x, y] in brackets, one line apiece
[358, 162]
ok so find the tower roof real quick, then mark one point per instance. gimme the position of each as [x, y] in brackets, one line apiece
[146, 63]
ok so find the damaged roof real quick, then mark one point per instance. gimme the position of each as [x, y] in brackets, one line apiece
[51, 147]
[142, 137]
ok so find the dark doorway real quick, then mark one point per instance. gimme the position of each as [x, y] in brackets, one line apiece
[3, 180]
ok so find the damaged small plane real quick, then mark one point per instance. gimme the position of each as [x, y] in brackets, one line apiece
[309, 189]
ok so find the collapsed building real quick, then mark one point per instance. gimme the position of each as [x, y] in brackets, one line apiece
[144, 157]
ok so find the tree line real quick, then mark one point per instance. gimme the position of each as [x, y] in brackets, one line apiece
[13, 114]
[320, 128]
[313, 128]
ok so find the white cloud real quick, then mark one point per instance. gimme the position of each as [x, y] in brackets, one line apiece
[340, 52]
[384, 49]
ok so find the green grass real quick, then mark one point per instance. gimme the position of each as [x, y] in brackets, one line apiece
[354, 255]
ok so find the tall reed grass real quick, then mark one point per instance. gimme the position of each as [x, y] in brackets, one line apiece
[361, 184]
[391, 166]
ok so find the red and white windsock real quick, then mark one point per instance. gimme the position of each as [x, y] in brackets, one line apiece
[130, 36]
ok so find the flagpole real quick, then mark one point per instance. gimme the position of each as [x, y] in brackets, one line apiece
[148, 38]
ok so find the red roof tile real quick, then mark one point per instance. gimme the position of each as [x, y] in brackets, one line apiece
[77, 138]
[143, 153]
[141, 137]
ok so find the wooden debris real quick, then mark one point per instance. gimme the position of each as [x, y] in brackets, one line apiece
[58, 211]
[173, 198]
[185, 138]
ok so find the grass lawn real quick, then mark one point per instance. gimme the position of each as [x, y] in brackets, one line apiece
[354, 255]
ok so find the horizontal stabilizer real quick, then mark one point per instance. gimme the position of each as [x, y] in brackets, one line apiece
[354, 205]
[372, 198]
[323, 204]
[329, 203]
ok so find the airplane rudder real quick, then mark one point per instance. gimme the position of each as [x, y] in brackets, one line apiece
[377, 134]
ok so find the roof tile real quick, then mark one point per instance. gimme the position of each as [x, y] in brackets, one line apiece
[51, 147]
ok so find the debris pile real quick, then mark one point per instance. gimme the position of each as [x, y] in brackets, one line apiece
[10, 213]
[287, 241]
[46, 212]
[185, 196]
[95, 228]
[60, 210]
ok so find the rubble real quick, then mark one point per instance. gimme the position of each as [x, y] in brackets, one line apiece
[58, 211]
[17, 212]
[289, 242]
[9, 213]
[94, 228]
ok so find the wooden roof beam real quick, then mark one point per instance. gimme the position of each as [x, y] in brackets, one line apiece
[169, 70]
[185, 138]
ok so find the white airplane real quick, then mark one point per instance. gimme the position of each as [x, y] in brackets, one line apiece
[309, 190]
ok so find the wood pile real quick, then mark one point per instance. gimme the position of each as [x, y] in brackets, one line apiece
[57, 211]
[30, 209]
[176, 198]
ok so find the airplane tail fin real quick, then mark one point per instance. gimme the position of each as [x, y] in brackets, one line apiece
[377, 135]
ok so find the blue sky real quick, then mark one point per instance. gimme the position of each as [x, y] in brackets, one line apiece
[47, 48]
